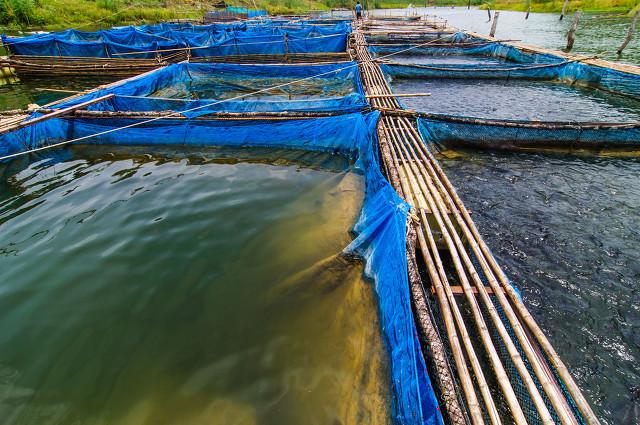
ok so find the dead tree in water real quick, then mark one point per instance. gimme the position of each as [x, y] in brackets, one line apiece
[571, 37]
[494, 24]
[632, 29]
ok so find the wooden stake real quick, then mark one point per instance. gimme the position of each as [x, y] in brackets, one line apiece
[528, 11]
[564, 9]
[494, 24]
[632, 29]
[571, 36]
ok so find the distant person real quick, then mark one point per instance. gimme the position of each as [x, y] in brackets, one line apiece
[358, 10]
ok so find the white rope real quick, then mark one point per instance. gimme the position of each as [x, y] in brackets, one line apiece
[139, 123]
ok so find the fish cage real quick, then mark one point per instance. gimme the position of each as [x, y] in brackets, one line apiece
[129, 51]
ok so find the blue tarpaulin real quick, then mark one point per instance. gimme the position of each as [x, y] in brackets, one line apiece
[213, 87]
[381, 228]
[204, 40]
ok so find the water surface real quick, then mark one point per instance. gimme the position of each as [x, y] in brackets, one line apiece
[18, 93]
[515, 99]
[198, 288]
[566, 230]
[597, 34]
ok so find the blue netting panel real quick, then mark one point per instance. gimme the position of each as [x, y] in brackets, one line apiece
[540, 66]
[490, 134]
[476, 71]
[206, 40]
[381, 232]
[178, 87]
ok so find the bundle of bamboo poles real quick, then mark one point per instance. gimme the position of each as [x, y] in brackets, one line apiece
[489, 321]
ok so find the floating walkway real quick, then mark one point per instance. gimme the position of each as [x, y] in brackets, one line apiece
[482, 316]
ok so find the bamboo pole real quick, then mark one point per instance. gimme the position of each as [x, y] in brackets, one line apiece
[450, 312]
[514, 298]
[553, 392]
[441, 218]
[377, 96]
[444, 376]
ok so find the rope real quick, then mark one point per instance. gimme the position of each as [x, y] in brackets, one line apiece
[242, 96]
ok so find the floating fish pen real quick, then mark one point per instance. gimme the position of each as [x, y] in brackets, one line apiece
[452, 340]
[129, 51]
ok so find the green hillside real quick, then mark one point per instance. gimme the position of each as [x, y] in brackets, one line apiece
[91, 14]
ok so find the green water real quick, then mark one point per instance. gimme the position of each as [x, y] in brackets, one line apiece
[18, 93]
[185, 288]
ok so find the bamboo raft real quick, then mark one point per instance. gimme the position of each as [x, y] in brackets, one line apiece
[482, 315]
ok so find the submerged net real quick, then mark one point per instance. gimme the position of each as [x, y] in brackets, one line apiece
[476, 124]
[236, 88]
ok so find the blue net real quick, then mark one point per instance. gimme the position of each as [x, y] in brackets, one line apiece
[150, 41]
[265, 88]
[381, 228]
[518, 64]
[514, 64]
[507, 134]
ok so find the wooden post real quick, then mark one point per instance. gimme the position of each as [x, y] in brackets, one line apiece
[571, 36]
[528, 11]
[489, 13]
[494, 24]
[564, 9]
[632, 29]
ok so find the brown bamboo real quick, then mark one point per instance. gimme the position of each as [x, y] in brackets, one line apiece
[502, 331]
[483, 331]
[522, 311]
[449, 310]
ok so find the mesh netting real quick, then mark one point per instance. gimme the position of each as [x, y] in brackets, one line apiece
[265, 88]
[149, 41]
[381, 228]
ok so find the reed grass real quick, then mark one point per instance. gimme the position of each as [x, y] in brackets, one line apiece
[93, 14]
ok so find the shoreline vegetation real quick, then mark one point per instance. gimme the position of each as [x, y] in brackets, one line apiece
[33, 15]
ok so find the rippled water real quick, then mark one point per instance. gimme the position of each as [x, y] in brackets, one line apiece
[567, 231]
[185, 289]
[597, 34]
[17, 94]
[529, 100]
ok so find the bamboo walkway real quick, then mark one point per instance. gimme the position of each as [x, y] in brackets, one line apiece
[485, 322]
